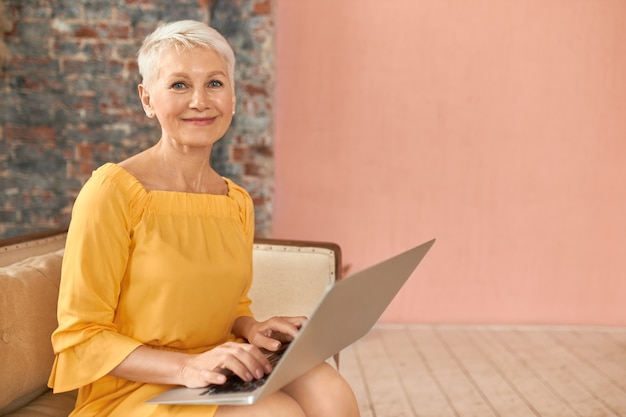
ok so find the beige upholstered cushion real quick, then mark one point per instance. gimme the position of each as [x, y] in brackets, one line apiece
[28, 298]
[289, 280]
[48, 405]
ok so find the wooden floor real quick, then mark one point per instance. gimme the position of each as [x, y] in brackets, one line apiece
[449, 371]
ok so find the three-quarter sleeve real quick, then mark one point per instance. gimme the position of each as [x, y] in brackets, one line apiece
[86, 343]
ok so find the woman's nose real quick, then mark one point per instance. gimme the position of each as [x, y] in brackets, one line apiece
[200, 99]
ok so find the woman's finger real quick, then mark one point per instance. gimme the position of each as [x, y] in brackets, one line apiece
[245, 361]
[272, 333]
[286, 325]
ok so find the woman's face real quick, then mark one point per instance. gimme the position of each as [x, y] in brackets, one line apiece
[191, 96]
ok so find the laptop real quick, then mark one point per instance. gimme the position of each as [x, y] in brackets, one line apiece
[346, 312]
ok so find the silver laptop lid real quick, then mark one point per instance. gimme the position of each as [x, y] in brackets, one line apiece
[347, 311]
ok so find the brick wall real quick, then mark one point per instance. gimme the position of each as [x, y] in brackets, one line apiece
[68, 100]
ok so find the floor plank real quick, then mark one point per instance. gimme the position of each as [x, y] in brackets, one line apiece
[385, 389]
[539, 397]
[498, 391]
[464, 371]
[459, 388]
[559, 371]
[425, 394]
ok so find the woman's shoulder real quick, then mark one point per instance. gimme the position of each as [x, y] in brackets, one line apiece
[244, 203]
[113, 193]
[237, 192]
[112, 181]
[116, 174]
[234, 187]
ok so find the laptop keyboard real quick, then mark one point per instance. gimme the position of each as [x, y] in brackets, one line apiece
[235, 384]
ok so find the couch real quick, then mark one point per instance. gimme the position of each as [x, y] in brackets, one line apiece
[289, 278]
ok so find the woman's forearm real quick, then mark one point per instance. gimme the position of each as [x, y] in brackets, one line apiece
[148, 365]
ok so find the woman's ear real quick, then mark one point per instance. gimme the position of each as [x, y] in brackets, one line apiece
[144, 96]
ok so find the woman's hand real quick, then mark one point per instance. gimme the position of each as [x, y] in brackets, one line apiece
[156, 366]
[243, 359]
[246, 360]
[269, 334]
[212, 367]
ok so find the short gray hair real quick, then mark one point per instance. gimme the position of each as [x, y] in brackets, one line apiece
[182, 35]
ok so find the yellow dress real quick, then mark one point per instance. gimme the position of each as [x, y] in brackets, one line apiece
[170, 270]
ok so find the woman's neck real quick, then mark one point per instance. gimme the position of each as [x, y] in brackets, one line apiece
[164, 168]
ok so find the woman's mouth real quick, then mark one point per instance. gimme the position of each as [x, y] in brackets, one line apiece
[200, 121]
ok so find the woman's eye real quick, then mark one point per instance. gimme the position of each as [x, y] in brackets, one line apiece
[215, 83]
[178, 86]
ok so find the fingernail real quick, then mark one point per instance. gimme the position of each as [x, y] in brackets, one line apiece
[259, 373]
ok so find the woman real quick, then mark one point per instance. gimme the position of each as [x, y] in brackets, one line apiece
[158, 259]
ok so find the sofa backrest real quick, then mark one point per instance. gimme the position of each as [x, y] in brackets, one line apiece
[17, 249]
[291, 276]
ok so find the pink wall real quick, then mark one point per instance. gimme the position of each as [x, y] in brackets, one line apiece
[497, 127]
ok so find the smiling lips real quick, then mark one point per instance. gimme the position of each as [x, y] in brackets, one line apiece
[200, 121]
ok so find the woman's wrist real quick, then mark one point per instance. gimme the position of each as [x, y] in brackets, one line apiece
[243, 326]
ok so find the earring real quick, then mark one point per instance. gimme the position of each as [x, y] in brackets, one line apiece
[149, 113]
